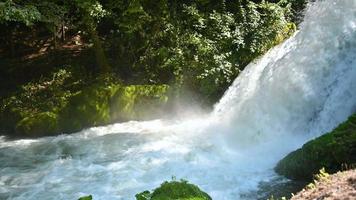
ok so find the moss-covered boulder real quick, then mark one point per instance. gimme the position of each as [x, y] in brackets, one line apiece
[89, 107]
[90, 197]
[40, 124]
[174, 190]
[138, 102]
[332, 151]
[101, 104]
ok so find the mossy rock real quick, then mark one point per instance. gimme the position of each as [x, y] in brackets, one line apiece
[332, 151]
[174, 190]
[89, 107]
[138, 102]
[100, 104]
[97, 104]
[40, 124]
[90, 197]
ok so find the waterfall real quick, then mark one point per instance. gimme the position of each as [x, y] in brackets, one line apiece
[297, 91]
[304, 86]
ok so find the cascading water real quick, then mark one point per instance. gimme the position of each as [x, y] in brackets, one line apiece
[297, 91]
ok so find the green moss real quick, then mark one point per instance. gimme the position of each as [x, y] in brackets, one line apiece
[89, 107]
[38, 125]
[332, 151]
[138, 102]
[100, 104]
[174, 190]
[86, 198]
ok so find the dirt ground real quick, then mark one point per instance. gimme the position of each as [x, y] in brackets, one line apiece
[339, 186]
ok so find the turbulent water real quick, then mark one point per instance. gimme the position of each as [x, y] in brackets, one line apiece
[297, 91]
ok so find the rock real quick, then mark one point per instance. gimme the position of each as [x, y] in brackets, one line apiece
[103, 104]
[341, 185]
[86, 198]
[89, 107]
[97, 104]
[332, 151]
[137, 102]
[40, 124]
[174, 190]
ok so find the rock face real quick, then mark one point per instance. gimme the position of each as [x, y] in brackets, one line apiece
[341, 185]
[174, 190]
[331, 151]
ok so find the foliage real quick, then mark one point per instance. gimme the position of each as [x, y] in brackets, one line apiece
[49, 94]
[45, 95]
[321, 176]
[11, 12]
[331, 151]
[92, 7]
[198, 46]
[174, 190]
[204, 51]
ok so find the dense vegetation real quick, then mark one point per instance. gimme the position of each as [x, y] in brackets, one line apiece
[334, 151]
[53, 50]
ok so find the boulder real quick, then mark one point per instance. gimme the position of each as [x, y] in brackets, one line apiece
[333, 151]
[174, 190]
[45, 123]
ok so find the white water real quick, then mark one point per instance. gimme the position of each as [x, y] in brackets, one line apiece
[297, 91]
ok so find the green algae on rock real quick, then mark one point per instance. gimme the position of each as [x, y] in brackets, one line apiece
[331, 151]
